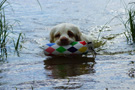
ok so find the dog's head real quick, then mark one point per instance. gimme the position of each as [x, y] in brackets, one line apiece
[64, 34]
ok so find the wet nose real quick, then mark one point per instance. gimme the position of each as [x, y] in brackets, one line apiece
[64, 40]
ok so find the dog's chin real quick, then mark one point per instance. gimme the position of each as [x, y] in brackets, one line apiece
[63, 44]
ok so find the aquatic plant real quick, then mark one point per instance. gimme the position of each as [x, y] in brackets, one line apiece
[5, 30]
[129, 24]
[101, 41]
[39, 4]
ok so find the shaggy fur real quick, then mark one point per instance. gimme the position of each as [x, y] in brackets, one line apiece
[64, 34]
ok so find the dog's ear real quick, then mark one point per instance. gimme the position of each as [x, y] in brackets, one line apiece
[52, 35]
[77, 38]
[78, 34]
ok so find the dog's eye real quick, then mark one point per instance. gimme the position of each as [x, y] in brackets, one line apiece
[57, 35]
[70, 34]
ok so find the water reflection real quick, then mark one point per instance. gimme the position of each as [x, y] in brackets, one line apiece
[1, 78]
[3, 54]
[62, 67]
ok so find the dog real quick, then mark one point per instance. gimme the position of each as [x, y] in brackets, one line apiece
[66, 33]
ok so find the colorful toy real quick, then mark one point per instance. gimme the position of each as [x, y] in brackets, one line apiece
[75, 48]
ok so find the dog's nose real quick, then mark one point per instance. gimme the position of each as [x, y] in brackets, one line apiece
[64, 39]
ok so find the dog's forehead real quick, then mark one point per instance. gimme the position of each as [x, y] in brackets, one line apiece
[61, 31]
[65, 29]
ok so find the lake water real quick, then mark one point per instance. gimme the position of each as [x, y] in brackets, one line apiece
[112, 69]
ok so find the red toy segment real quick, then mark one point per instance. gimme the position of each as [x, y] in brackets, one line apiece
[83, 42]
[50, 49]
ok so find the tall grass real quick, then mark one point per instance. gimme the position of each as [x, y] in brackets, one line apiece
[5, 30]
[129, 24]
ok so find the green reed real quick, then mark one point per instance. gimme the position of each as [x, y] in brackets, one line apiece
[5, 30]
[129, 24]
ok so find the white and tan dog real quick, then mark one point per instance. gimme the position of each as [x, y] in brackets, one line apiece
[65, 33]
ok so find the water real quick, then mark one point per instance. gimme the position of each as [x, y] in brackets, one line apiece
[112, 69]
